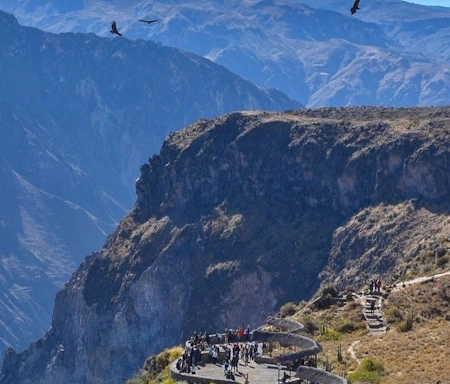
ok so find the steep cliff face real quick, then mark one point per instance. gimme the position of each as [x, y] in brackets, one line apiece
[78, 115]
[238, 215]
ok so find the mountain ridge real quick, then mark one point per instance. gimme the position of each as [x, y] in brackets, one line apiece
[292, 47]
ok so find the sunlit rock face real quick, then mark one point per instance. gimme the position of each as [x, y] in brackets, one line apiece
[238, 215]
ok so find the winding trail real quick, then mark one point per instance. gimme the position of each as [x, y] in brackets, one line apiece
[351, 350]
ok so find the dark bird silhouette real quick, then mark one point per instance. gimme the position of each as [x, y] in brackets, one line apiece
[148, 21]
[114, 29]
[355, 7]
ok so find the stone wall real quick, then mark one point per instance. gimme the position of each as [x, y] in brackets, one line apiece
[190, 378]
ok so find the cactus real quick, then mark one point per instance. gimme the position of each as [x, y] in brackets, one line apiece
[409, 321]
[339, 353]
[328, 365]
[407, 324]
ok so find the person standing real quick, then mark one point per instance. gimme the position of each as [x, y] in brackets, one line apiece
[225, 367]
[215, 355]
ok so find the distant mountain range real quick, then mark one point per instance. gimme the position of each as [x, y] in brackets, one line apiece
[390, 52]
[79, 114]
[415, 27]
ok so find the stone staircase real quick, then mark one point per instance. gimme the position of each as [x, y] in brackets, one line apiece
[374, 318]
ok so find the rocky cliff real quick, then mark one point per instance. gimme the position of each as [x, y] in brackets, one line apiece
[78, 115]
[238, 215]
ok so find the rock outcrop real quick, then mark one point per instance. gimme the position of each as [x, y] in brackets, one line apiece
[238, 215]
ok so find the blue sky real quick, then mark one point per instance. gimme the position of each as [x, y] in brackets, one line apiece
[445, 3]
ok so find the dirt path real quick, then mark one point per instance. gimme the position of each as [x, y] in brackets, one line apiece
[404, 284]
[351, 350]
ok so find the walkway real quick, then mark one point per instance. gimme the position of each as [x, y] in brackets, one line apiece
[374, 318]
[272, 369]
[257, 373]
[404, 284]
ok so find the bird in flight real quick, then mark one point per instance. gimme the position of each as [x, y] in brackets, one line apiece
[114, 29]
[355, 7]
[148, 21]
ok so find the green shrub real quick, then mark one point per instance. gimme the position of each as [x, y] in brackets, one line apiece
[311, 326]
[166, 379]
[407, 324]
[330, 334]
[329, 290]
[393, 314]
[155, 365]
[327, 294]
[369, 372]
[372, 365]
[348, 326]
[289, 309]
[364, 377]
[167, 356]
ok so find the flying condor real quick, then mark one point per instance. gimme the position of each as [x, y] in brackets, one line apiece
[114, 29]
[148, 21]
[355, 7]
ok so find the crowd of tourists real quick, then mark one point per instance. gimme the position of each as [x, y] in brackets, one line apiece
[225, 349]
[228, 350]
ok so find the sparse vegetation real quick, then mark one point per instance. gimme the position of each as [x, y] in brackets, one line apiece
[393, 315]
[349, 325]
[364, 377]
[156, 368]
[327, 294]
[369, 372]
[329, 334]
[407, 324]
[289, 309]
[411, 357]
[442, 261]
[310, 324]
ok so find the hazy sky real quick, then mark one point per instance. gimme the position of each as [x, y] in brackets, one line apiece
[445, 3]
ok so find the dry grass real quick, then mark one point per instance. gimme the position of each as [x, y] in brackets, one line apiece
[418, 356]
